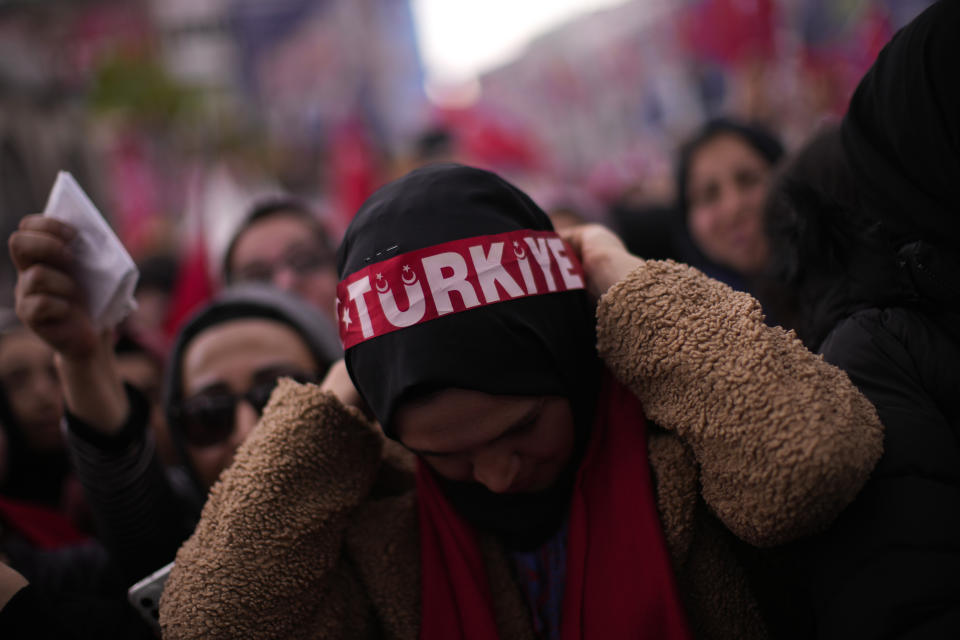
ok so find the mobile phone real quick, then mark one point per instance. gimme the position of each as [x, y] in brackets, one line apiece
[145, 596]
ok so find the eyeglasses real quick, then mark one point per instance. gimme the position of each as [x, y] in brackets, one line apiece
[300, 260]
[208, 417]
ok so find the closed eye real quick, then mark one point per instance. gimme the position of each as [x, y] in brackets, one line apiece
[523, 425]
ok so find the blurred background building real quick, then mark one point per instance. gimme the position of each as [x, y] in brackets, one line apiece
[173, 114]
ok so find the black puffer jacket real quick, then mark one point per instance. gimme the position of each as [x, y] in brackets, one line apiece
[889, 567]
[901, 577]
[865, 224]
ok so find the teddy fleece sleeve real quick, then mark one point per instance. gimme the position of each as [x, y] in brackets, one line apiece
[783, 440]
[266, 560]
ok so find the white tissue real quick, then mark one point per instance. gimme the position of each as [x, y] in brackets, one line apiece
[103, 267]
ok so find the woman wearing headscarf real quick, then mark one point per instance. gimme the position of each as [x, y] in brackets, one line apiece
[551, 492]
[31, 407]
[866, 224]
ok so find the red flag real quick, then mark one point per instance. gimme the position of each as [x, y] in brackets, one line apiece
[193, 286]
[353, 173]
[730, 31]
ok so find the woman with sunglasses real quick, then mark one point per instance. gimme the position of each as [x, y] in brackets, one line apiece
[224, 364]
[543, 502]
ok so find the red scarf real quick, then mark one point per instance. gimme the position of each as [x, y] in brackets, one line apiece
[626, 588]
[41, 526]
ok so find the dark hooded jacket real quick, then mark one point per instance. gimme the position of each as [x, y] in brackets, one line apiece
[866, 224]
[143, 511]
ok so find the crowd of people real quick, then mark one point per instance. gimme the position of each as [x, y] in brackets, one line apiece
[476, 418]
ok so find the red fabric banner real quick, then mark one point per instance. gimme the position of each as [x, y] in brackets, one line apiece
[426, 284]
[619, 583]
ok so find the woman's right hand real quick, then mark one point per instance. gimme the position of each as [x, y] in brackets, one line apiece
[51, 303]
[49, 300]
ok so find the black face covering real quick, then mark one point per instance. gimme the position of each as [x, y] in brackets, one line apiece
[901, 133]
[533, 346]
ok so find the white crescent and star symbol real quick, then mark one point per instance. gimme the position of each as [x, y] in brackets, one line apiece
[408, 271]
[518, 250]
[381, 284]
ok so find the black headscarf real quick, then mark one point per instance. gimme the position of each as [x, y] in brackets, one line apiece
[901, 133]
[866, 214]
[828, 259]
[538, 345]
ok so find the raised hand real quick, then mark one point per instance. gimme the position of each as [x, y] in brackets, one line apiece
[603, 255]
[49, 300]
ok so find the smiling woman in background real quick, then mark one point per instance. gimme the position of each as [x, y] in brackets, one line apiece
[723, 175]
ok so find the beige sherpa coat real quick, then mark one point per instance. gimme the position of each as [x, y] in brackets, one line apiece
[312, 533]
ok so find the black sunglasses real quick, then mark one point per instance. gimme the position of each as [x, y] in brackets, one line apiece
[208, 417]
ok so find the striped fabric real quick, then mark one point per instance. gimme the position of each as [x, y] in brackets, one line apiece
[143, 512]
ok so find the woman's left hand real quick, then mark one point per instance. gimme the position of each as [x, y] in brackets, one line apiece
[338, 382]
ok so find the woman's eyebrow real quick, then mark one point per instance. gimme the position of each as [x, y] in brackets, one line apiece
[529, 416]
[518, 424]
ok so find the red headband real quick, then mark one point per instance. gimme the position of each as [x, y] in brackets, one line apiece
[479, 271]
